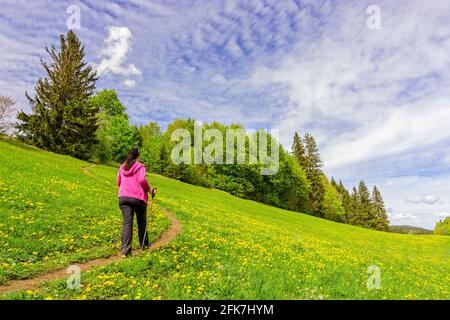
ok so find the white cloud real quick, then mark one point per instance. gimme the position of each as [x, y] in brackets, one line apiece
[424, 206]
[404, 129]
[428, 199]
[233, 48]
[118, 45]
[129, 83]
[401, 216]
[153, 8]
[369, 94]
[376, 100]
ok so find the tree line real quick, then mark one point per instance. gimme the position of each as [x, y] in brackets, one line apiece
[332, 200]
[69, 117]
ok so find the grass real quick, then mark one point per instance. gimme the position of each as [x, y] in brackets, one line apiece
[55, 211]
[230, 248]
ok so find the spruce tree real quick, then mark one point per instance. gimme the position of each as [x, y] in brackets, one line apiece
[363, 194]
[334, 184]
[313, 162]
[313, 167]
[366, 213]
[351, 213]
[380, 210]
[341, 188]
[62, 119]
[298, 150]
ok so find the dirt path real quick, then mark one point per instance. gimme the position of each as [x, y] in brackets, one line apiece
[86, 169]
[33, 283]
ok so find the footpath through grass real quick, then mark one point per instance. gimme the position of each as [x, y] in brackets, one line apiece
[232, 248]
[54, 210]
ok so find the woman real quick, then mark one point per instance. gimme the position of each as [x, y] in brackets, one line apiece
[133, 198]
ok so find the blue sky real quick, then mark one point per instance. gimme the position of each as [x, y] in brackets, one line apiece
[377, 100]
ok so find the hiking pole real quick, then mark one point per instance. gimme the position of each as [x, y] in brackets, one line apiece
[154, 191]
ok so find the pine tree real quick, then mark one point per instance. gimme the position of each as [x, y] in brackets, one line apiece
[351, 211]
[366, 215]
[313, 167]
[363, 194]
[298, 150]
[380, 210]
[62, 118]
[341, 188]
[334, 184]
[313, 162]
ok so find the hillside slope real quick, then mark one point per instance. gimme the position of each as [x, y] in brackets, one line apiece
[230, 248]
[54, 211]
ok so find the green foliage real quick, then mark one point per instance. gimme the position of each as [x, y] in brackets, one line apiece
[124, 136]
[115, 134]
[62, 119]
[362, 208]
[363, 214]
[151, 151]
[298, 150]
[442, 227]
[333, 208]
[107, 102]
[288, 188]
[104, 146]
[307, 155]
[382, 222]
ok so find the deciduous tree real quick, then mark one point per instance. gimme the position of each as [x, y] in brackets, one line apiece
[6, 109]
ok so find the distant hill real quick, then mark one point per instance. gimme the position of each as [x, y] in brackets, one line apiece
[409, 230]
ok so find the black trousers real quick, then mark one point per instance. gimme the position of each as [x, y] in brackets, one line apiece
[129, 206]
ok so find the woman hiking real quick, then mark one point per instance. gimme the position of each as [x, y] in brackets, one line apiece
[133, 198]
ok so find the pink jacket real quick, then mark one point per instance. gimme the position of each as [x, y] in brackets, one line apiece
[133, 182]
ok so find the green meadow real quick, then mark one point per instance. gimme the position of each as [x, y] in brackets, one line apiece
[56, 211]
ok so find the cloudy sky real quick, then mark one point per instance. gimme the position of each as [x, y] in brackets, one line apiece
[375, 93]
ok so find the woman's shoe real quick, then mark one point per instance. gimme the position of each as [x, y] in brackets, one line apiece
[125, 255]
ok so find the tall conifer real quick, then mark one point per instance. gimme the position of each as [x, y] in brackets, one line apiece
[62, 119]
[380, 210]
